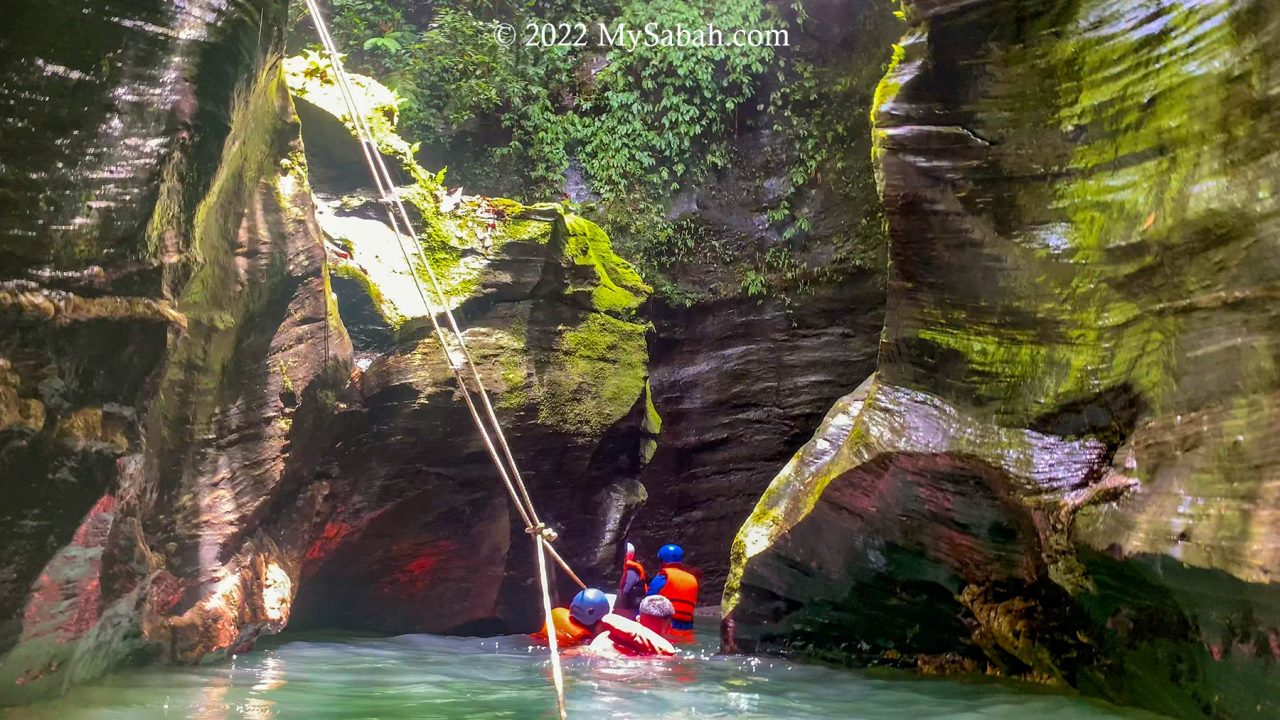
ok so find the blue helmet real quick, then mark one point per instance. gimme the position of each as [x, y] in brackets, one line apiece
[589, 606]
[671, 553]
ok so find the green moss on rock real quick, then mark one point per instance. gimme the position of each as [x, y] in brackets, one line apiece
[600, 372]
[518, 388]
[310, 77]
[652, 420]
[350, 271]
[92, 429]
[614, 284]
[593, 369]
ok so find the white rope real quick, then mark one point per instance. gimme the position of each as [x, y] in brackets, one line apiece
[389, 196]
[557, 676]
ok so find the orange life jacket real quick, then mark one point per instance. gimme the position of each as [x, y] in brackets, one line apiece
[633, 565]
[682, 590]
[628, 598]
[568, 632]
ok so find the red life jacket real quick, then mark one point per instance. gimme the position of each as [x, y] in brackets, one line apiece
[628, 638]
[682, 590]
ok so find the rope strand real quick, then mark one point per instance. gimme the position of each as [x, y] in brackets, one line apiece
[389, 195]
[505, 463]
[557, 676]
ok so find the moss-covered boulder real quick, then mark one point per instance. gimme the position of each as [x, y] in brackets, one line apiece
[549, 314]
[1064, 469]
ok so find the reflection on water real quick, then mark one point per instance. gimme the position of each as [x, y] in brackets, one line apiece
[317, 676]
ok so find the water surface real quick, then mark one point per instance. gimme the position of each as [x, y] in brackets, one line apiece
[329, 675]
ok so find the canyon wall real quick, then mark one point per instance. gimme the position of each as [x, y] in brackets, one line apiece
[192, 444]
[161, 266]
[741, 376]
[1065, 467]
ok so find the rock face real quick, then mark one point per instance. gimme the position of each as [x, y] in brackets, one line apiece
[740, 380]
[1065, 467]
[163, 275]
[192, 454]
[740, 386]
[86, 280]
[742, 376]
[416, 516]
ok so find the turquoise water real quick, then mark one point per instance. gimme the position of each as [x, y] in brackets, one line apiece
[320, 676]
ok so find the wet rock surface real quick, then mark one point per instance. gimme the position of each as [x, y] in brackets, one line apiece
[92, 120]
[414, 514]
[740, 385]
[191, 448]
[153, 245]
[1065, 468]
[741, 377]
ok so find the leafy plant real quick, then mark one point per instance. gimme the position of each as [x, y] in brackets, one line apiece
[754, 285]
[637, 120]
[639, 123]
[391, 43]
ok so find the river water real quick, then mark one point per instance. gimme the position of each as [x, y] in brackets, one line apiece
[316, 676]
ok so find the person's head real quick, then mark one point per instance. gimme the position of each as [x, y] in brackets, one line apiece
[631, 552]
[656, 612]
[588, 607]
[671, 554]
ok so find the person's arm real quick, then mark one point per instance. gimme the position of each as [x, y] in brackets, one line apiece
[636, 638]
[655, 585]
[629, 584]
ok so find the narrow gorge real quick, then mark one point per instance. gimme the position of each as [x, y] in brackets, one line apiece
[943, 338]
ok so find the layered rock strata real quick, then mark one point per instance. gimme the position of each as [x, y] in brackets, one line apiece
[1065, 467]
[201, 452]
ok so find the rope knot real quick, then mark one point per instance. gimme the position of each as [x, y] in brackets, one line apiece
[541, 529]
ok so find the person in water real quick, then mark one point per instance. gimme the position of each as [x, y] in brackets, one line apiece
[678, 583]
[622, 637]
[580, 622]
[632, 587]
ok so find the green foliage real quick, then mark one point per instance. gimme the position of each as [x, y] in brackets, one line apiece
[640, 123]
[654, 108]
[661, 245]
[390, 44]
[781, 274]
[641, 120]
[811, 106]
